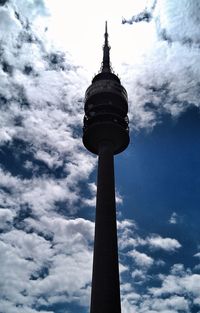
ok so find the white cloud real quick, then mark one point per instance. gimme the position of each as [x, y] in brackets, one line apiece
[180, 282]
[180, 19]
[6, 218]
[141, 259]
[172, 304]
[160, 262]
[92, 201]
[139, 276]
[31, 9]
[164, 77]
[197, 267]
[31, 255]
[173, 218]
[197, 301]
[6, 306]
[127, 225]
[128, 237]
[126, 287]
[168, 244]
[41, 194]
[129, 302]
[197, 255]
[9, 24]
[63, 230]
[123, 268]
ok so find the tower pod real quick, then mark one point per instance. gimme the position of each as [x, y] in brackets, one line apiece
[106, 108]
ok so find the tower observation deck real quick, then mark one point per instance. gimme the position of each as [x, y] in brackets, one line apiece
[105, 133]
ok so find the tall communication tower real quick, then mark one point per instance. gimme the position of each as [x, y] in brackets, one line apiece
[105, 133]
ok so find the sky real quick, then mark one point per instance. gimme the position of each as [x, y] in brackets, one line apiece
[49, 52]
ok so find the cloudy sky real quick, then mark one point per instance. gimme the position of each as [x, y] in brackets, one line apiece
[49, 52]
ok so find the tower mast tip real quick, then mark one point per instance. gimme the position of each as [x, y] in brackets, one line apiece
[106, 52]
[106, 27]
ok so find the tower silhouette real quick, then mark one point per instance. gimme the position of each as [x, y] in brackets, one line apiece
[105, 133]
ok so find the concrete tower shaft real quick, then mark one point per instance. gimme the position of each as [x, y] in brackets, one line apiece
[105, 297]
[106, 108]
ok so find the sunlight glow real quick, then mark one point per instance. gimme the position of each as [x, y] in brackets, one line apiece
[78, 28]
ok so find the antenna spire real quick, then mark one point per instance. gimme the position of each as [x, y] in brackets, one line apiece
[106, 53]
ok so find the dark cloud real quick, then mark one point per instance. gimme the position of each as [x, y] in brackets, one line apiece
[164, 35]
[178, 21]
[3, 100]
[56, 60]
[7, 68]
[144, 16]
[28, 69]
[2, 2]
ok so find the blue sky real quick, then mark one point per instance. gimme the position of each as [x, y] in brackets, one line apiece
[49, 52]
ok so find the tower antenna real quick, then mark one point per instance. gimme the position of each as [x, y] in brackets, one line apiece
[106, 52]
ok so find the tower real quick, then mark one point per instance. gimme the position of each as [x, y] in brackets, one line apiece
[105, 133]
